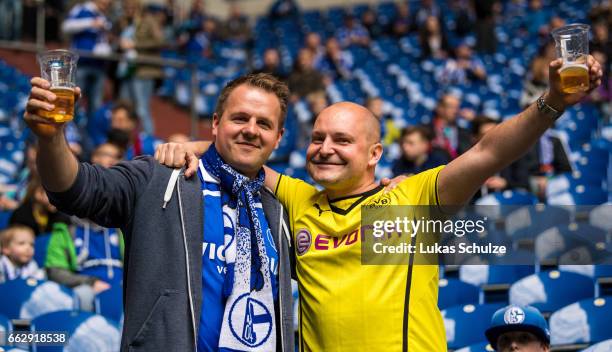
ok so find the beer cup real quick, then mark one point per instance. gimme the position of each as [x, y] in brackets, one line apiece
[572, 44]
[59, 68]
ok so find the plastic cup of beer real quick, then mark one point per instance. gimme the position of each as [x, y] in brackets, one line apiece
[572, 44]
[59, 68]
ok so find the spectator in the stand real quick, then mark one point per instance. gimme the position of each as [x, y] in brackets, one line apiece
[448, 135]
[417, 152]
[236, 28]
[486, 41]
[337, 63]
[434, 43]
[85, 256]
[36, 212]
[518, 328]
[11, 200]
[271, 64]
[312, 42]
[465, 17]
[316, 102]
[148, 41]
[463, 68]
[305, 79]
[602, 41]
[200, 42]
[352, 33]
[602, 95]
[514, 176]
[124, 30]
[73, 137]
[197, 14]
[388, 130]
[284, 9]
[16, 262]
[402, 23]
[601, 11]
[10, 19]
[89, 28]
[108, 154]
[554, 23]
[427, 9]
[537, 81]
[130, 10]
[515, 8]
[123, 118]
[551, 155]
[536, 18]
[371, 23]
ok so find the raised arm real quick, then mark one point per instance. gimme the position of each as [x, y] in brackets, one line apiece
[187, 154]
[56, 164]
[508, 141]
[106, 196]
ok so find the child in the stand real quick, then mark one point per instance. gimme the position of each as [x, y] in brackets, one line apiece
[17, 261]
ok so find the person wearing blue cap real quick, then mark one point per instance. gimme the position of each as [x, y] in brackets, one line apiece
[518, 328]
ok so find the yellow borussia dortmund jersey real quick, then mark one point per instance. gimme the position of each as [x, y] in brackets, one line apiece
[347, 306]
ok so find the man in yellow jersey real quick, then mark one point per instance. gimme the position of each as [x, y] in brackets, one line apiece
[347, 306]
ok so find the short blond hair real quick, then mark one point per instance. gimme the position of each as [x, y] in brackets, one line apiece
[7, 235]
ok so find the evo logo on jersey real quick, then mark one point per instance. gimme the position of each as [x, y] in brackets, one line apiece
[325, 242]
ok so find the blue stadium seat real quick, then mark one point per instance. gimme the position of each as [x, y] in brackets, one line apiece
[602, 271]
[494, 274]
[548, 291]
[580, 195]
[86, 331]
[477, 347]
[455, 292]
[508, 198]
[600, 217]
[603, 346]
[586, 321]
[575, 243]
[535, 219]
[4, 218]
[465, 325]
[41, 242]
[5, 325]
[11, 349]
[109, 303]
[27, 299]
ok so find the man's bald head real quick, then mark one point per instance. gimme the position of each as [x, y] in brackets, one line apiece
[345, 149]
[358, 117]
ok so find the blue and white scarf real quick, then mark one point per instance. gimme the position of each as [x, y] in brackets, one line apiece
[248, 283]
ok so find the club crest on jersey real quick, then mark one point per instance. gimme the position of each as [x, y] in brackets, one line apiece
[514, 315]
[303, 241]
[383, 200]
[250, 321]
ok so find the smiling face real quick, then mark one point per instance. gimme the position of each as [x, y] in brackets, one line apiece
[249, 129]
[345, 148]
